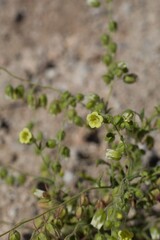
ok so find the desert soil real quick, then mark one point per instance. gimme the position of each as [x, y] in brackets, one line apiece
[57, 43]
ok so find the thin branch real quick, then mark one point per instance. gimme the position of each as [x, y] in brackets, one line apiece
[26, 80]
[53, 208]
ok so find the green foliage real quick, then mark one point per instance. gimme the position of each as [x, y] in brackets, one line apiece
[122, 206]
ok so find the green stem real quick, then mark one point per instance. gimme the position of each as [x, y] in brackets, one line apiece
[53, 208]
[26, 80]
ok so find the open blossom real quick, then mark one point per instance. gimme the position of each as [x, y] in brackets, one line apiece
[25, 136]
[125, 235]
[94, 120]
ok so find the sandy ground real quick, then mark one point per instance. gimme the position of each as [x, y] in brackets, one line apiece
[57, 43]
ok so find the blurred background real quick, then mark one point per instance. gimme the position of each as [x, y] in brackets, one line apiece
[57, 43]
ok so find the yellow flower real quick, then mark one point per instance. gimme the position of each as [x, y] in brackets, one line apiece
[94, 120]
[25, 136]
[125, 235]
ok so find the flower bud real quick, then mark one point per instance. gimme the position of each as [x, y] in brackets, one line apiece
[99, 107]
[113, 154]
[90, 104]
[128, 115]
[119, 215]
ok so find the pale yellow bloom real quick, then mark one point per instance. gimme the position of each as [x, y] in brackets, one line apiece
[25, 136]
[94, 120]
[125, 235]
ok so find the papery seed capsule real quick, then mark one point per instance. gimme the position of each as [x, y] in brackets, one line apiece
[130, 78]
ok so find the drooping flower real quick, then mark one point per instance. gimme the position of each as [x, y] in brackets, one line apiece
[112, 154]
[94, 120]
[25, 136]
[125, 235]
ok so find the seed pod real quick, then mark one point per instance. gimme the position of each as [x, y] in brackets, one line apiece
[43, 100]
[108, 78]
[54, 107]
[65, 151]
[9, 90]
[107, 59]
[51, 143]
[78, 121]
[79, 97]
[113, 26]
[60, 135]
[71, 114]
[130, 78]
[19, 91]
[79, 211]
[105, 39]
[31, 100]
[112, 47]
[84, 200]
